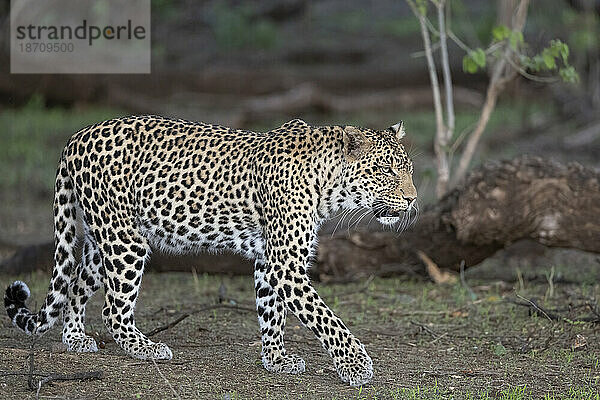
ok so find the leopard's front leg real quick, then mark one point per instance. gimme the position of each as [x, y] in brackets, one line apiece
[271, 318]
[287, 276]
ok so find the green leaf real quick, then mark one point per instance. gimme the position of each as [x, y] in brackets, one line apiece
[478, 56]
[469, 65]
[560, 48]
[515, 39]
[474, 60]
[548, 60]
[569, 75]
[499, 350]
[525, 61]
[422, 7]
[500, 32]
[538, 62]
[564, 52]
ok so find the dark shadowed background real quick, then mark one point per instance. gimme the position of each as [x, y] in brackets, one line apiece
[256, 64]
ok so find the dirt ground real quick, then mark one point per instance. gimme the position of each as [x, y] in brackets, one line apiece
[427, 341]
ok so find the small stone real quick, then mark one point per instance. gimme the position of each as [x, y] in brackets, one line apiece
[579, 343]
[58, 348]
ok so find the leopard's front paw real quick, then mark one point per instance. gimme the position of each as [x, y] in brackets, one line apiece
[151, 351]
[286, 363]
[354, 365]
[80, 343]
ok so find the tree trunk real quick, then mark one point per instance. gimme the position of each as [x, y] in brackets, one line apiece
[500, 203]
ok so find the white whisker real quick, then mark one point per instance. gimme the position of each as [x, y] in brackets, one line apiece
[343, 215]
[354, 214]
[361, 217]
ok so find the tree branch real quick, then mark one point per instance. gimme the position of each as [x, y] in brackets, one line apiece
[446, 70]
[441, 6]
[443, 168]
[497, 83]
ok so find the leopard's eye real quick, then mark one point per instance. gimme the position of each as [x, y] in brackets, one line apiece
[386, 169]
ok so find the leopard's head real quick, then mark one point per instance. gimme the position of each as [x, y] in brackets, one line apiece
[379, 172]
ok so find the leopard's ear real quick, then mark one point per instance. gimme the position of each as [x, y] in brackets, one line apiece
[398, 130]
[355, 143]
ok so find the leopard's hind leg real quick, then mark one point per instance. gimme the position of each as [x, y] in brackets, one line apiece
[87, 281]
[123, 258]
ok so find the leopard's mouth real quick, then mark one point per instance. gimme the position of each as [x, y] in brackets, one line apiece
[403, 215]
[388, 220]
[385, 215]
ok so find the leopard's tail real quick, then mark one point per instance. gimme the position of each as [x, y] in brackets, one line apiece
[65, 221]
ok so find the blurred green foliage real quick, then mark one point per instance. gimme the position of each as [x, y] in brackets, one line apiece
[583, 30]
[475, 30]
[166, 9]
[481, 31]
[235, 27]
[351, 21]
[554, 57]
[399, 27]
[474, 60]
[31, 141]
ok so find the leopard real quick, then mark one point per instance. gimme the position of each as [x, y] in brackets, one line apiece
[130, 185]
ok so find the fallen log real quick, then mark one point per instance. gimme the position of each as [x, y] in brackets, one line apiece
[41, 256]
[498, 204]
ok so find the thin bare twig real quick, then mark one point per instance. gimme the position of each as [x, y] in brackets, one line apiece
[537, 308]
[79, 376]
[441, 8]
[37, 386]
[436, 336]
[224, 305]
[165, 379]
[553, 315]
[167, 326]
[363, 288]
[439, 337]
[31, 364]
[13, 373]
[443, 168]
[463, 281]
[425, 328]
[206, 308]
[418, 54]
[458, 42]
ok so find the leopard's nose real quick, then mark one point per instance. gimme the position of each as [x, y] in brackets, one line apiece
[410, 199]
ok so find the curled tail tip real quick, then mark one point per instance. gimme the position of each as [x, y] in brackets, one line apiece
[14, 301]
[17, 293]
